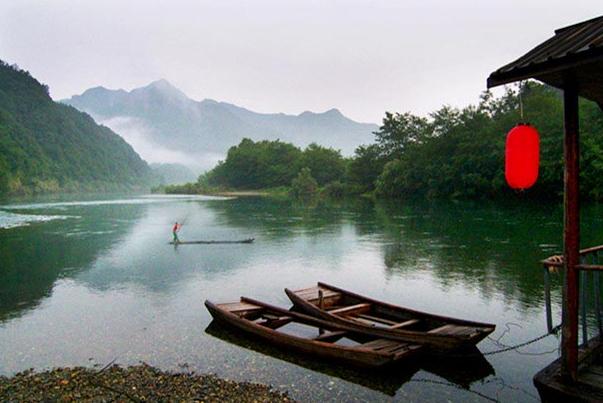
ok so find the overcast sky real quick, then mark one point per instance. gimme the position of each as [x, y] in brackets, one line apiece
[363, 57]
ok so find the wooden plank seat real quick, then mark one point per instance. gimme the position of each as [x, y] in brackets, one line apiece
[314, 294]
[239, 306]
[381, 344]
[453, 330]
[377, 319]
[394, 325]
[405, 324]
[361, 320]
[396, 349]
[273, 317]
[314, 290]
[331, 336]
[276, 323]
[350, 308]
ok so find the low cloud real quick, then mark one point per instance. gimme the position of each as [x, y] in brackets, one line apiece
[136, 133]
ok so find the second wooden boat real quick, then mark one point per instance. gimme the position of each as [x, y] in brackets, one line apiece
[386, 320]
[310, 335]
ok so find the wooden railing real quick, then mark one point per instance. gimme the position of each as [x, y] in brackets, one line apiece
[590, 267]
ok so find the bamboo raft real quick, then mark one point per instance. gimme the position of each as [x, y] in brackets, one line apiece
[248, 240]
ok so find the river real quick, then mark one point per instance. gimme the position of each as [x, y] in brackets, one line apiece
[85, 281]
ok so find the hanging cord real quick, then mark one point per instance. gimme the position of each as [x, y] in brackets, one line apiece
[521, 86]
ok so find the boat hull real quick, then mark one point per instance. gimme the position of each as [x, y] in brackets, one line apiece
[448, 334]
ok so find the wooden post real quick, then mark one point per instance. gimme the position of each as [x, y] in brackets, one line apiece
[321, 305]
[321, 300]
[597, 291]
[571, 233]
[597, 288]
[583, 308]
[547, 299]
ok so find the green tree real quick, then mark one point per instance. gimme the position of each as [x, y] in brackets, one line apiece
[255, 165]
[326, 164]
[399, 131]
[364, 168]
[304, 186]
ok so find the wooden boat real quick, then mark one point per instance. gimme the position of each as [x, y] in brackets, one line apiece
[386, 320]
[306, 334]
[248, 240]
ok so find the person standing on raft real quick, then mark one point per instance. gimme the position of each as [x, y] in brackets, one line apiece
[175, 231]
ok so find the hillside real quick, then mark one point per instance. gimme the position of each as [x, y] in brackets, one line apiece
[48, 147]
[164, 125]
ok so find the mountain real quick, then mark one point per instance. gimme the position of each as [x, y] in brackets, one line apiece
[172, 174]
[164, 125]
[48, 147]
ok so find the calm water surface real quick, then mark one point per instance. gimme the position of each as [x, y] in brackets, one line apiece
[87, 282]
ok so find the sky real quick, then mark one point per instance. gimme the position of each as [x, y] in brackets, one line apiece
[362, 57]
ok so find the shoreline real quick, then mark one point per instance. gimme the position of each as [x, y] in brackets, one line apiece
[239, 193]
[133, 383]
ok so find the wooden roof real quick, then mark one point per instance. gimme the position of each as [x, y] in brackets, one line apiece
[574, 52]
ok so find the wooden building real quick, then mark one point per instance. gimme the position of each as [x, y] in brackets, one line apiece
[571, 60]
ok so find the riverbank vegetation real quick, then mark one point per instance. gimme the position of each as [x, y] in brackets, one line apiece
[451, 153]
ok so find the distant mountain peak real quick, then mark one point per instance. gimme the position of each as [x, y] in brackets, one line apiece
[164, 87]
[334, 111]
[95, 90]
[162, 84]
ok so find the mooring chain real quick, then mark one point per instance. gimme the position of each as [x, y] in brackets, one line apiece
[554, 330]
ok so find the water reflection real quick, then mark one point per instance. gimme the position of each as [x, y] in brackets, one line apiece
[494, 247]
[387, 381]
[34, 257]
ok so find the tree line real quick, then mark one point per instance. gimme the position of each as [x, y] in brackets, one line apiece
[453, 153]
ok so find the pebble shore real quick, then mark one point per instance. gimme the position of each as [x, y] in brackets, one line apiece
[140, 383]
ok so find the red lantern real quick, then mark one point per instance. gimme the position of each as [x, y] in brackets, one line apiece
[522, 156]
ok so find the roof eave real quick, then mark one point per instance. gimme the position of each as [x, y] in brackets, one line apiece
[564, 64]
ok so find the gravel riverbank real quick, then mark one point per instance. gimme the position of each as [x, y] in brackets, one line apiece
[140, 383]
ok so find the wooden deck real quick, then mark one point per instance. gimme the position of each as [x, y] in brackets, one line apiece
[589, 387]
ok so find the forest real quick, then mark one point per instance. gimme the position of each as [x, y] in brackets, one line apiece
[451, 153]
[49, 147]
